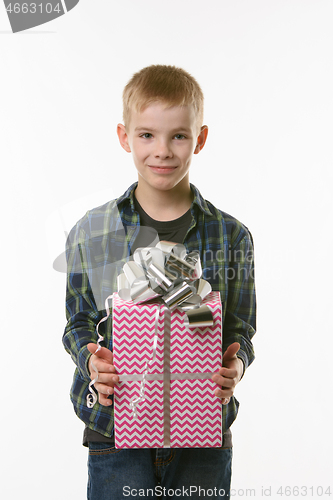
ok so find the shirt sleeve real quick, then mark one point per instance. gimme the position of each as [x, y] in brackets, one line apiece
[81, 311]
[240, 317]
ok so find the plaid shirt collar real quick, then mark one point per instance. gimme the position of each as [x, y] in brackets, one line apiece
[198, 199]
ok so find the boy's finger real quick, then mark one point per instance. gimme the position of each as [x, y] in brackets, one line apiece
[102, 366]
[222, 381]
[223, 393]
[228, 372]
[103, 400]
[107, 379]
[104, 389]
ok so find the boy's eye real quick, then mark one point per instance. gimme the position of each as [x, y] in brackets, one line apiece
[179, 136]
[146, 135]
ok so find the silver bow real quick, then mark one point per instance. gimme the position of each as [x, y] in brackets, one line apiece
[168, 272]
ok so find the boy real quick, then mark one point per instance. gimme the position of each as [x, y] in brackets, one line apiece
[163, 116]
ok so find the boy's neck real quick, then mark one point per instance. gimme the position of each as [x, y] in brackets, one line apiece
[164, 205]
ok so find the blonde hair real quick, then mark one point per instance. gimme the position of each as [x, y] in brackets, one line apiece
[167, 84]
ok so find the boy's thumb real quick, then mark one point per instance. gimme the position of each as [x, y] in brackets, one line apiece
[231, 351]
[103, 352]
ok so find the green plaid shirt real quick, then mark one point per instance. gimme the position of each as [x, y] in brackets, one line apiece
[97, 248]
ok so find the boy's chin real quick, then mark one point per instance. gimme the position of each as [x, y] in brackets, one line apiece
[163, 183]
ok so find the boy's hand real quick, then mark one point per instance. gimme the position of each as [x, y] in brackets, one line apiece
[107, 378]
[230, 373]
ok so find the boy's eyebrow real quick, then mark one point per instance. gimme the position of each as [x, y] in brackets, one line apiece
[177, 129]
[143, 128]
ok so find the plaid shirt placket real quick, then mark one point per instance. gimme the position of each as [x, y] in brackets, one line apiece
[240, 320]
[226, 251]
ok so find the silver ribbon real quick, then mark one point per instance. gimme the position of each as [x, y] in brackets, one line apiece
[136, 377]
[92, 397]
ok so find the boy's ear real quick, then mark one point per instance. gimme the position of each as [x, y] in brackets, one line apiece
[123, 137]
[201, 140]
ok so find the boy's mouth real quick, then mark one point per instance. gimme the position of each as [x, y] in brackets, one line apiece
[161, 169]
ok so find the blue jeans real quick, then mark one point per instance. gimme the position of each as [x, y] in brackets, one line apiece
[117, 474]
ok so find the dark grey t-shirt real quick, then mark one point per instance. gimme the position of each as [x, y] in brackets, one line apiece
[150, 232]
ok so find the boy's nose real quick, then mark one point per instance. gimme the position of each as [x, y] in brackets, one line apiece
[162, 150]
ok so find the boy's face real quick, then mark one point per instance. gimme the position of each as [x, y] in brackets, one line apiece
[162, 141]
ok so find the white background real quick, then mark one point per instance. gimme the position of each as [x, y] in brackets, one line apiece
[266, 71]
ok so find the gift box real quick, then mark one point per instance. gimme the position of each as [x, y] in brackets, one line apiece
[178, 407]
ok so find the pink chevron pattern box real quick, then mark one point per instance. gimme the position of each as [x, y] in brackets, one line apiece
[180, 408]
